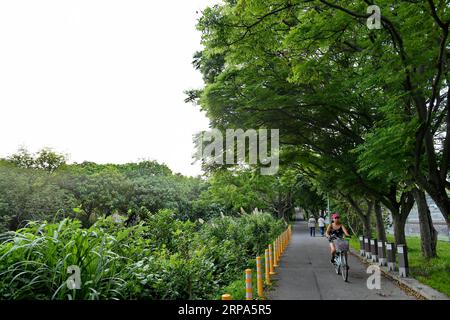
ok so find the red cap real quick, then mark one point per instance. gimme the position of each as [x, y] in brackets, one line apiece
[335, 215]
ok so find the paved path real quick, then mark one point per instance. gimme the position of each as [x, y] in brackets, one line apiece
[305, 272]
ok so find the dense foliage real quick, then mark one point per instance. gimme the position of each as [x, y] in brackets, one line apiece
[135, 231]
[159, 258]
[30, 192]
[363, 113]
[364, 120]
[245, 189]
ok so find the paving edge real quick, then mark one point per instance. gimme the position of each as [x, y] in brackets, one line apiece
[409, 285]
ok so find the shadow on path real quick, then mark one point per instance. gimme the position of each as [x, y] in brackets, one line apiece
[305, 272]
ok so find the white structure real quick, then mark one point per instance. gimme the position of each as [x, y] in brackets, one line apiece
[412, 227]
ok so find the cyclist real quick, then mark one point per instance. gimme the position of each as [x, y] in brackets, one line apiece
[335, 230]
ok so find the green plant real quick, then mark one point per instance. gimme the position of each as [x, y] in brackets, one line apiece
[159, 258]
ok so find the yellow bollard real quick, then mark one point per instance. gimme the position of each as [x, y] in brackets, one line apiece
[226, 296]
[278, 248]
[285, 239]
[271, 256]
[280, 245]
[280, 240]
[275, 254]
[259, 278]
[267, 267]
[248, 285]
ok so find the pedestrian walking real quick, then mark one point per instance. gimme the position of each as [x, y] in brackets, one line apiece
[312, 226]
[321, 222]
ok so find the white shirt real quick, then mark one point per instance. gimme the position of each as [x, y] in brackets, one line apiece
[321, 222]
[311, 222]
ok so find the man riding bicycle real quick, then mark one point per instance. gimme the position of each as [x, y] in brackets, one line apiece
[335, 230]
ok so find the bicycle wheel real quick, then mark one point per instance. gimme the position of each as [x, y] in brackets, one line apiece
[344, 266]
[337, 263]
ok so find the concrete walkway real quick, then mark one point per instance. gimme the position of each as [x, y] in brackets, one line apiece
[305, 273]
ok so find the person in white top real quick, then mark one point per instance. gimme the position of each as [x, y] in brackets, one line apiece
[321, 222]
[312, 226]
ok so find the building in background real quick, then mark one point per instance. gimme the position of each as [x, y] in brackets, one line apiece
[412, 227]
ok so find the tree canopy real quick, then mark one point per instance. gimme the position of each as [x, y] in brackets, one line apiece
[362, 112]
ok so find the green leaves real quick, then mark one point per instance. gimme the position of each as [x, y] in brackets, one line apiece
[232, 190]
[162, 258]
[345, 98]
[388, 152]
[94, 190]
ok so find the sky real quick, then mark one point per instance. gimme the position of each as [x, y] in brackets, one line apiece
[101, 80]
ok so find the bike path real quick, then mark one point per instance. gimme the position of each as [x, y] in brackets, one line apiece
[305, 273]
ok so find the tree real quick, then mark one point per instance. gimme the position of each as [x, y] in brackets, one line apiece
[29, 194]
[22, 158]
[247, 189]
[315, 71]
[309, 198]
[45, 159]
[42, 188]
[48, 160]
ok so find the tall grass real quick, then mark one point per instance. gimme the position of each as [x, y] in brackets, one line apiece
[162, 258]
[34, 261]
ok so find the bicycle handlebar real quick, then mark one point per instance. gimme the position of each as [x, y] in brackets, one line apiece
[335, 237]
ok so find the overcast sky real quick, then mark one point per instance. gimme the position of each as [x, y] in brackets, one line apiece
[101, 80]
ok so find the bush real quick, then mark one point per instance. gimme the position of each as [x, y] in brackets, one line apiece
[167, 275]
[160, 258]
[234, 242]
[34, 260]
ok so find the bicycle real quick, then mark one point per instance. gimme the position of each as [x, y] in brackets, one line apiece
[340, 260]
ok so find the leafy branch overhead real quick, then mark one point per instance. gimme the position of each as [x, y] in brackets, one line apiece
[366, 111]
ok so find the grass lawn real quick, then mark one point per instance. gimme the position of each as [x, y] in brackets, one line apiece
[435, 272]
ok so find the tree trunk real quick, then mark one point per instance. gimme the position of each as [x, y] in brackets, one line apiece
[444, 207]
[399, 217]
[381, 231]
[399, 229]
[365, 217]
[281, 213]
[434, 182]
[428, 234]
[367, 230]
[441, 200]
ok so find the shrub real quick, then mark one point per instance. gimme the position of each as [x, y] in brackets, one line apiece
[34, 261]
[160, 258]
